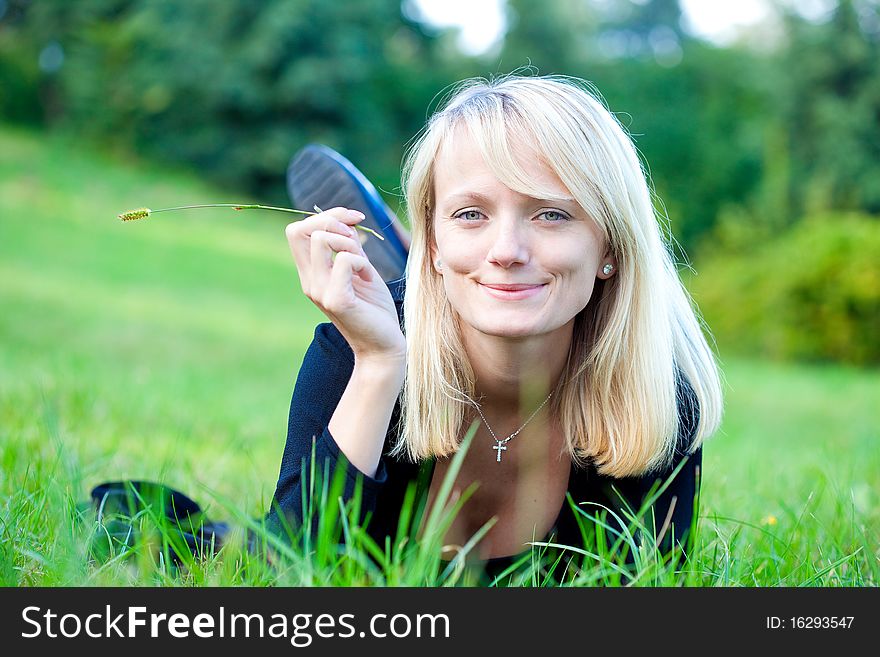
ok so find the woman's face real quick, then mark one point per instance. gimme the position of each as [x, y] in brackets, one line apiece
[488, 234]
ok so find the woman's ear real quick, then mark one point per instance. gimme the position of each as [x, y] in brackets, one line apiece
[435, 259]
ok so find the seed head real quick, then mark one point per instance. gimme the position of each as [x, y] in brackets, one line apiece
[131, 215]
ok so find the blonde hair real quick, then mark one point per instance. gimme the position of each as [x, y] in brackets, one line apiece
[617, 400]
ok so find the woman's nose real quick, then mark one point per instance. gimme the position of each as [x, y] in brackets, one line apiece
[509, 243]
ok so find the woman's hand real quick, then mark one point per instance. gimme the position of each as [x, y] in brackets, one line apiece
[346, 288]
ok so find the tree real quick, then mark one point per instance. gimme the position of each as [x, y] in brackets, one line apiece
[831, 109]
[234, 88]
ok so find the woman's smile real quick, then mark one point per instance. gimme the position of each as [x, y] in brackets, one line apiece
[512, 292]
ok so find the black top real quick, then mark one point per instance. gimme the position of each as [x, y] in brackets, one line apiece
[323, 377]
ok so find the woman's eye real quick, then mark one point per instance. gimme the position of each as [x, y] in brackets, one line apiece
[469, 215]
[554, 216]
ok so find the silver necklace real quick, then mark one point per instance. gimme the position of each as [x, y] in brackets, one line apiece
[501, 443]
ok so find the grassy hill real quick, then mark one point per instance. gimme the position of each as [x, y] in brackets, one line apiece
[167, 349]
[162, 348]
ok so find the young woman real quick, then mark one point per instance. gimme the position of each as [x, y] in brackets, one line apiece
[540, 299]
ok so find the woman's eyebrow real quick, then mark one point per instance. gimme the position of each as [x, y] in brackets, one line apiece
[482, 198]
[467, 196]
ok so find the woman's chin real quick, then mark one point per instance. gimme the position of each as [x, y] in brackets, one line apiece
[510, 329]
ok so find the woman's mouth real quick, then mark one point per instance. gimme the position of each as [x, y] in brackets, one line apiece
[511, 291]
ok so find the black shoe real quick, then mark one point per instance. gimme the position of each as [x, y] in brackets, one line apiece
[178, 520]
[319, 176]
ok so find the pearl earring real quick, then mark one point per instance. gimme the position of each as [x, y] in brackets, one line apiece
[439, 263]
[607, 269]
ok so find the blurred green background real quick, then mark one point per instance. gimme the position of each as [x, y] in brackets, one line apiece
[168, 348]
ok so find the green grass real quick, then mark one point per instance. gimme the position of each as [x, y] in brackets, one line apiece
[167, 349]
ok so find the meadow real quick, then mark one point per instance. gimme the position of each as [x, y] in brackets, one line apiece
[167, 349]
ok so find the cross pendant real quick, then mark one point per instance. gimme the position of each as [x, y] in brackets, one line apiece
[499, 447]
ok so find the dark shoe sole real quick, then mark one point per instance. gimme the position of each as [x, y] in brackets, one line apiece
[319, 176]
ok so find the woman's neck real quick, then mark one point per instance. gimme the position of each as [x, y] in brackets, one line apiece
[514, 375]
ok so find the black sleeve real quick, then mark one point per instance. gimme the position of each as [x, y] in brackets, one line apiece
[670, 516]
[323, 377]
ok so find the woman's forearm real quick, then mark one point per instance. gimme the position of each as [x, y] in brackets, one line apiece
[360, 421]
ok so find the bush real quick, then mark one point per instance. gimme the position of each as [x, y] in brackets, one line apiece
[812, 293]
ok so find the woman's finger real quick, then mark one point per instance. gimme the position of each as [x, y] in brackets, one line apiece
[298, 233]
[300, 255]
[340, 295]
[323, 245]
[336, 220]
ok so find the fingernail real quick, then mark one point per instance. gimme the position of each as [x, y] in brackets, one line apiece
[345, 228]
[354, 214]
